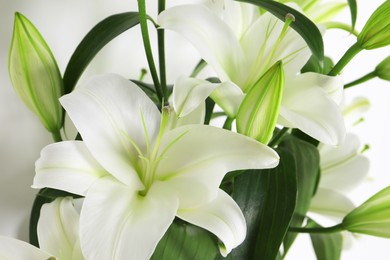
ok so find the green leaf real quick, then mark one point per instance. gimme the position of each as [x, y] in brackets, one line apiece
[184, 241]
[93, 42]
[353, 9]
[148, 89]
[326, 246]
[210, 104]
[307, 161]
[303, 25]
[267, 199]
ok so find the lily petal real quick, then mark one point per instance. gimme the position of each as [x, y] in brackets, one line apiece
[109, 129]
[331, 203]
[189, 93]
[184, 159]
[67, 166]
[342, 167]
[133, 224]
[347, 175]
[229, 97]
[58, 228]
[13, 249]
[217, 44]
[222, 217]
[308, 106]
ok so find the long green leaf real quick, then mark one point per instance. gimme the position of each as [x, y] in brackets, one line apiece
[93, 42]
[307, 166]
[184, 241]
[353, 9]
[267, 199]
[303, 25]
[326, 246]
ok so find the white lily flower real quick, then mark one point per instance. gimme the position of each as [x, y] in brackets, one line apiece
[57, 235]
[241, 45]
[137, 174]
[343, 168]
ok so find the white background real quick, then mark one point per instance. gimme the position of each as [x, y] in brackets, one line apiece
[64, 23]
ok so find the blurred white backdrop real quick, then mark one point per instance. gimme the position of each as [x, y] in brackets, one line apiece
[64, 23]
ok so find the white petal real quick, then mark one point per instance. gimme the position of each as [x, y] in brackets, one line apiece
[346, 175]
[202, 155]
[307, 106]
[67, 166]
[354, 111]
[190, 93]
[229, 97]
[117, 223]
[222, 217]
[58, 228]
[239, 16]
[214, 40]
[331, 203]
[331, 155]
[110, 113]
[13, 249]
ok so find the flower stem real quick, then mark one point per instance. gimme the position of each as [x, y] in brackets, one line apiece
[365, 78]
[347, 57]
[56, 135]
[198, 68]
[228, 123]
[278, 137]
[148, 49]
[161, 53]
[332, 229]
[341, 26]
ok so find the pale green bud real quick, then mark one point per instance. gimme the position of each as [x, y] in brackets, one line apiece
[372, 217]
[376, 32]
[383, 69]
[259, 111]
[34, 73]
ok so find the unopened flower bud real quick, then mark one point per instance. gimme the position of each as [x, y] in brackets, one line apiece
[383, 69]
[372, 217]
[376, 32]
[259, 111]
[34, 73]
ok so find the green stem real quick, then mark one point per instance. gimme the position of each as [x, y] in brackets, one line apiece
[161, 53]
[228, 123]
[148, 49]
[278, 137]
[365, 78]
[350, 53]
[342, 26]
[198, 68]
[56, 135]
[333, 229]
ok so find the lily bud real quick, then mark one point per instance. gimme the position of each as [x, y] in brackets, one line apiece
[383, 69]
[376, 32]
[372, 217]
[259, 111]
[34, 73]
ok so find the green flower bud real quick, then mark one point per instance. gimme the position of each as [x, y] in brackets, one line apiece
[376, 32]
[383, 69]
[372, 217]
[259, 111]
[34, 74]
